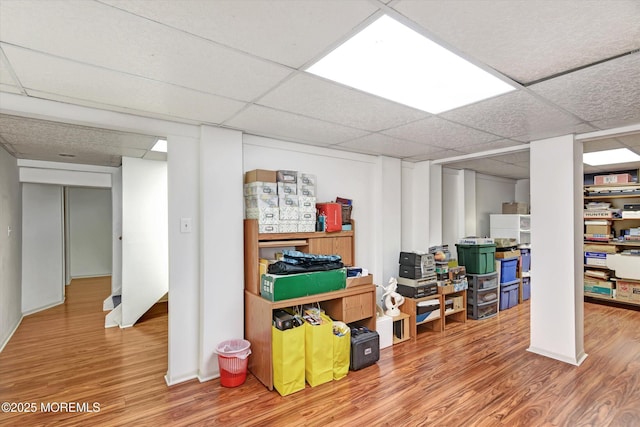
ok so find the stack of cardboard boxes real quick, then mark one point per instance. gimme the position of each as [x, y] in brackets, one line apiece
[282, 201]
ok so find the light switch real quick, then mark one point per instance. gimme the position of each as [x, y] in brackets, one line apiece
[185, 225]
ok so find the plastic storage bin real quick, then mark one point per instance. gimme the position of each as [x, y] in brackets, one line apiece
[508, 270]
[482, 296]
[233, 356]
[482, 311]
[477, 259]
[509, 294]
[526, 288]
[482, 281]
[525, 255]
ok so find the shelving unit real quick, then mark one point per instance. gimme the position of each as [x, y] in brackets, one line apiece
[410, 308]
[625, 194]
[401, 328]
[513, 226]
[352, 305]
[457, 314]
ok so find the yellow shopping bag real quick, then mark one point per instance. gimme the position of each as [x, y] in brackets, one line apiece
[288, 359]
[318, 347]
[341, 349]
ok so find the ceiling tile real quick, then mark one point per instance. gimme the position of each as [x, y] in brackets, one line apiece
[518, 157]
[513, 114]
[287, 32]
[321, 99]
[380, 144]
[546, 37]
[600, 145]
[120, 41]
[10, 89]
[24, 130]
[441, 133]
[49, 74]
[291, 127]
[606, 91]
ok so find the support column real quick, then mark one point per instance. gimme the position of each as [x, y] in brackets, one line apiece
[435, 205]
[557, 307]
[221, 244]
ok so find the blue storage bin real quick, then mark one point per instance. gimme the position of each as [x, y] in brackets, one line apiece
[509, 295]
[525, 254]
[508, 270]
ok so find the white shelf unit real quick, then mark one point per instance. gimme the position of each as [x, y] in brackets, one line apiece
[512, 226]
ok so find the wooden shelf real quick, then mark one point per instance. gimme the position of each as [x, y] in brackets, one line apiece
[621, 196]
[410, 308]
[351, 305]
[612, 301]
[402, 322]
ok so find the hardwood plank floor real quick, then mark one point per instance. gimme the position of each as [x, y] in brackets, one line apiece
[473, 374]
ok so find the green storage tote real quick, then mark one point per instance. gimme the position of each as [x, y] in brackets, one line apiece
[477, 259]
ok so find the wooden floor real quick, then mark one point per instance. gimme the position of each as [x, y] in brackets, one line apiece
[473, 374]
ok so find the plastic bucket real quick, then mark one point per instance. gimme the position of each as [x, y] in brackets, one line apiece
[233, 356]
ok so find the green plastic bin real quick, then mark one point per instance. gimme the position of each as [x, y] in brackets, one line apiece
[477, 259]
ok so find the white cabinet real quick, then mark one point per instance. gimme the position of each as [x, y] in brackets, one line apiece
[510, 226]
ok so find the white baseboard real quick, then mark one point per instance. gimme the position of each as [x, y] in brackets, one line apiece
[36, 310]
[11, 334]
[577, 361]
[180, 379]
[204, 378]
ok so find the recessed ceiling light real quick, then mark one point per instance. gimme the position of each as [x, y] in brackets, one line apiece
[160, 145]
[390, 60]
[609, 157]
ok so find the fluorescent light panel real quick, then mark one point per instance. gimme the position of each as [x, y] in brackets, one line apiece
[392, 61]
[160, 146]
[610, 157]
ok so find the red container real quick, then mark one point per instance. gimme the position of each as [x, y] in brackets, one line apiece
[333, 214]
[233, 357]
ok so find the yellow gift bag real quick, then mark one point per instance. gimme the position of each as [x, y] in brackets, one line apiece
[341, 349]
[318, 346]
[288, 359]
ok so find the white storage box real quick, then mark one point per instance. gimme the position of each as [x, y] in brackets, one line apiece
[258, 187]
[384, 327]
[261, 201]
[287, 188]
[264, 216]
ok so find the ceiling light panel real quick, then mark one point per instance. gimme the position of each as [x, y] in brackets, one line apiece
[392, 61]
[610, 157]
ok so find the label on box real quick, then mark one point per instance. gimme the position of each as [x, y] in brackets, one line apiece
[306, 179]
[476, 241]
[268, 228]
[307, 217]
[307, 190]
[288, 201]
[286, 176]
[258, 187]
[264, 216]
[287, 188]
[307, 204]
[261, 201]
[595, 258]
[621, 178]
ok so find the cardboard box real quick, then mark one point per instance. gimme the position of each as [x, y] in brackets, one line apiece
[620, 178]
[287, 176]
[598, 229]
[595, 258]
[458, 303]
[281, 287]
[359, 281]
[515, 208]
[508, 254]
[259, 175]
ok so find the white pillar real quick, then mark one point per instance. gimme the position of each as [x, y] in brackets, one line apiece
[183, 178]
[388, 223]
[221, 245]
[557, 307]
[435, 205]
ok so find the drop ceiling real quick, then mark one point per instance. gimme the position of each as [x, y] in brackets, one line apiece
[240, 64]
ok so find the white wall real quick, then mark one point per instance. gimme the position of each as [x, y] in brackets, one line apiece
[116, 231]
[10, 247]
[90, 223]
[522, 191]
[42, 247]
[183, 174]
[491, 192]
[453, 209]
[145, 251]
